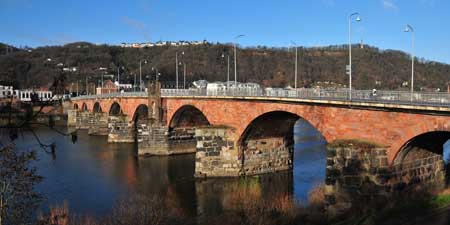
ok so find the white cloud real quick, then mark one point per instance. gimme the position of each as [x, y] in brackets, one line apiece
[389, 5]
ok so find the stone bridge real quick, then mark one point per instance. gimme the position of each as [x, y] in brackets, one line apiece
[235, 136]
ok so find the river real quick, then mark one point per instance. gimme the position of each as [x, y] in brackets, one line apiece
[92, 175]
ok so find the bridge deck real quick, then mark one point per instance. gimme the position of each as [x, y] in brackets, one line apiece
[437, 102]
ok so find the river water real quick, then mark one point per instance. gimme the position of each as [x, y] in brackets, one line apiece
[92, 175]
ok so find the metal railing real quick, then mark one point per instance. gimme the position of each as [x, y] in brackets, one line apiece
[437, 99]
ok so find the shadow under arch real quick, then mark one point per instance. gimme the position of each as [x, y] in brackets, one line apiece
[75, 106]
[84, 107]
[141, 115]
[421, 159]
[115, 110]
[188, 116]
[97, 108]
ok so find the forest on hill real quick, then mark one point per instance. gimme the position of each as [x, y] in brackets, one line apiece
[372, 67]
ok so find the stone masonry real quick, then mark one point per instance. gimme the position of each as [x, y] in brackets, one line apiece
[157, 140]
[72, 117]
[82, 120]
[361, 170]
[98, 125]
[153, 140]
[216, 154]
[267, 155]
[120, 130]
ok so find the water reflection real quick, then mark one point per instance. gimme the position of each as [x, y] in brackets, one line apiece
[93, 176]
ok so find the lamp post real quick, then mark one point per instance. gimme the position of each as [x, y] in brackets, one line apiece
[409, 29]
[157, 74]
[87, 88]
[228, 69]
[235, 59]
[296, 66]
[118, 76]
[140, 73]
[176, 66]
[134, 82]
[358, 19]
[184, 75]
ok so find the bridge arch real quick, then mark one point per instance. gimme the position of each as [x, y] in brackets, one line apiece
[188, 116]
[75, 106]
[84, 107]
[269, 138]
[140, 116]
[115, 109]
[432, 142]
[269, 124]
[97, 108]
[422, 158]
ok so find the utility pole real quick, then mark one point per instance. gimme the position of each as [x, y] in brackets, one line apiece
[87, 88]
[184, 75]
[228, 71]
[411, 30]
[296, 66]
[235, 60]
[176, 69]
[350, 50]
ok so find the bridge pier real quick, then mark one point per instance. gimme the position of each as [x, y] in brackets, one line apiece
[72, 117]
[98, 125]
[217, 154]
[158, 140]
[120, 130]
[83, 119]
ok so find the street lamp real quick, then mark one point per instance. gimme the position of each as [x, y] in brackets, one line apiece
[409, 29]
[176, 66]
[296, 62]
[118, 75]
[184, 73]
[349, 68]
[228, 69]
[140, 73]
[235, 59]
[157, 74]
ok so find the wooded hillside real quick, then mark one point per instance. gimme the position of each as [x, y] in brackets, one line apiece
[26, 68]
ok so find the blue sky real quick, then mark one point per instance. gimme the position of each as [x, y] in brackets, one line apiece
[264, 22]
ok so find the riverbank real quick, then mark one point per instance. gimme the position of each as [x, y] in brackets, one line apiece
[280, 210]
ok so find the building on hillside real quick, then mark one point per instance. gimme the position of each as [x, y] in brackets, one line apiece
[6, 91]
[27, 95]
[124, 87]
[220, 88]
[108, 87]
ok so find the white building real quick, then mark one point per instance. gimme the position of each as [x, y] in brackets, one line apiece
[25, 95]
[6, 91]
[224, 88]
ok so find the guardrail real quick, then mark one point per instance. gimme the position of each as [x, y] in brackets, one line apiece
[438, 99]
